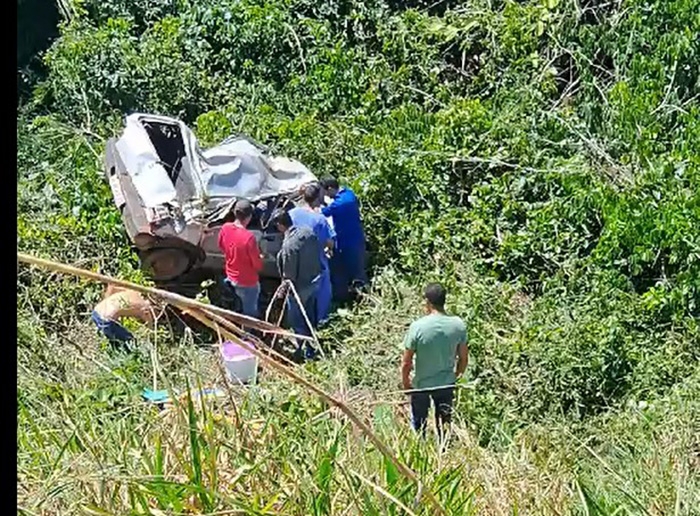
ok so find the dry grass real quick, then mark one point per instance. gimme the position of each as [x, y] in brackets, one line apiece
[91, 458]
[88, 444]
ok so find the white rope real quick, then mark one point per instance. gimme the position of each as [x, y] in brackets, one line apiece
[272, 302]
[306, 318]
[269, 309]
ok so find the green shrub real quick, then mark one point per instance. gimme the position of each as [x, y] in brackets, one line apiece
[553, 146]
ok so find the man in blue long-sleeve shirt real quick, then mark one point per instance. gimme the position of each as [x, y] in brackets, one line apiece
[348, 264]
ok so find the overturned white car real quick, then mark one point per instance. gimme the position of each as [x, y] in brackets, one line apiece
[174, 196]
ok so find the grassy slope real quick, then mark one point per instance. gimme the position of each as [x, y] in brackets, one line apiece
[577, 208]
[87, 441]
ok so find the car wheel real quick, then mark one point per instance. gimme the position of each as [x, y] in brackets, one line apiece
[166, 263]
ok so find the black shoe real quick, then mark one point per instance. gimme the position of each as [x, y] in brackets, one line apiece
[310, 353]
[298, 355]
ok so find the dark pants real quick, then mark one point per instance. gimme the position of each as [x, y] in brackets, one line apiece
[246, 297]
[309, 298]
[348, 267]
[115, 332]
[323, 296]
[420, 404]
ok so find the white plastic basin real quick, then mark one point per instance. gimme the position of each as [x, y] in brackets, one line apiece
[241, 365]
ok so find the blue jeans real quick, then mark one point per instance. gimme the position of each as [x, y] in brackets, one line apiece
[420, 404]
[115, 332]
[248, 297]
[309, 297]
[324, 296]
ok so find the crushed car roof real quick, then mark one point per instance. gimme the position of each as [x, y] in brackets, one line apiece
[236, 168]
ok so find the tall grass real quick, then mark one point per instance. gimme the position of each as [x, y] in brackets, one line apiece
[87, 444]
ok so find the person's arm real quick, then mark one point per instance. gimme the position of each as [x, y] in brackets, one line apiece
[409, 345]
[280, 263]
[462, 354]
[332, 208]
[142, 308]
[326, 236]
[220, 241]
[148, 316]
[406, 367]
[254, 253]
[288, 265]
[462, 359]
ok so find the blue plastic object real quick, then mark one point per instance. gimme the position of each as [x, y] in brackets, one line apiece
[161, 397]
[155, 396]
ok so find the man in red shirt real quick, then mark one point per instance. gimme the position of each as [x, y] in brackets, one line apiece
[243, 258]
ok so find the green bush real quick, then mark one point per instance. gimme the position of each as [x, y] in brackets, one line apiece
[552, 145]
[540, 157]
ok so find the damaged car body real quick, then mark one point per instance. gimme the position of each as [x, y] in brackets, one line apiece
[174, 196]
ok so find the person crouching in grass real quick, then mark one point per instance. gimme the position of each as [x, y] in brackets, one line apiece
[116, 304]
[437, 343]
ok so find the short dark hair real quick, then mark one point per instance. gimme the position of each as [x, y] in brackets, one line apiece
[435, 294]
[312, 193]
[242, 210]
[281, 216]
[330, 182]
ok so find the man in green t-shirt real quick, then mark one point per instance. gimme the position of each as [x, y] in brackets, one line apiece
[438, 343]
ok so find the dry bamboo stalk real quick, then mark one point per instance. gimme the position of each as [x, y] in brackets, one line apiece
[209, 317]
[306, 317]
[243, 320]
[212, 320]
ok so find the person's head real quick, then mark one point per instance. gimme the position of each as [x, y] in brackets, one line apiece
[312, 194]
[281, 220]
[243, 212]
[434, 295]
[112, 289]
[331, 186]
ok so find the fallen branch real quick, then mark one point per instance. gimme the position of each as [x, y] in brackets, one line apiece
[209, 316]
[170, 297]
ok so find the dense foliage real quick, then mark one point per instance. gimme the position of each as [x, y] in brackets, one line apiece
[549, 145]
[541, 157]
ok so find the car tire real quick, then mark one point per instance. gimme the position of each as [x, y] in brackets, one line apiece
[166, 263]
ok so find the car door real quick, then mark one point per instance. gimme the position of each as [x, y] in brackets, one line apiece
[270, 243]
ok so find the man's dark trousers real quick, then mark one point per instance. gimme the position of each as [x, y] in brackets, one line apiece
[420, 405]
